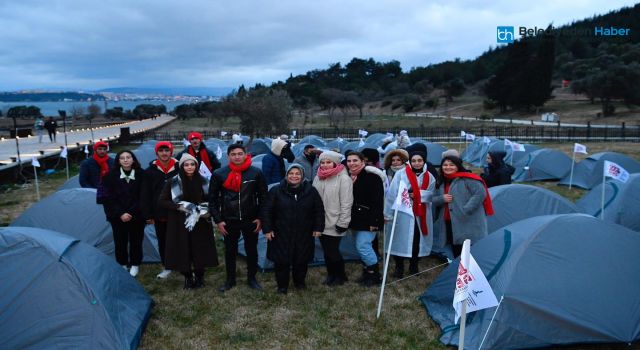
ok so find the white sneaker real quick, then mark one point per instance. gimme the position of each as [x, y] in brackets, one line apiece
[134, 271]
[125, 267]
[164, 274]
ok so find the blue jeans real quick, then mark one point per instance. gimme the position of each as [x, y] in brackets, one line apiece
[363, 245]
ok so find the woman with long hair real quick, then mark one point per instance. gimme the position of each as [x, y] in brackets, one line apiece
[336, 190]
[466, 204]
[413, 234]
[190, 245]
[394, 161]
[366, 215]
[122, 193]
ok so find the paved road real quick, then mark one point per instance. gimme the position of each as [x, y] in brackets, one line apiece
[29, 146]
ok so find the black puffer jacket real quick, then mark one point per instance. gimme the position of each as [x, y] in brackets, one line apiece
[151, 188]
[293, 215]
[368, 202]
[237, 206]
[498, 172]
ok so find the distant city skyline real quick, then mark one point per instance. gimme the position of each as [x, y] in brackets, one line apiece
[81, 45]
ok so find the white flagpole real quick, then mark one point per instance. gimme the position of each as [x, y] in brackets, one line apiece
[573, 162]
[463, 315]
[386, 263]
[602, 202]
[35, 173]
[490, 323]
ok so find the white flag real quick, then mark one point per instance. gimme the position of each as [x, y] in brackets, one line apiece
[219, 152]
[578, 148]
[516, 147]
[361, 143]
[472, 285]
[615, 171]
[294, 133]
[462, 133]
[35, 162]
[339, 139]
[186, 143]
[363, 132]
[63, 154]
[486, 140]
[86, 149]
[223, 133]
[403, 202]
[204, 171]
[470, 137]
[389, 135]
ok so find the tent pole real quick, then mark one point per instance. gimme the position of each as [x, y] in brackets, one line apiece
[463, 322]
[386, 263]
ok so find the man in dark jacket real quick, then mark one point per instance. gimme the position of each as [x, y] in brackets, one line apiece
[236, 193]
[94, 168]
[199, 150]
[309, 161]
[273, 163]
[156, 175]
[497, 172]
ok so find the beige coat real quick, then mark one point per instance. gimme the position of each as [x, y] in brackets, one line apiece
[337, 196]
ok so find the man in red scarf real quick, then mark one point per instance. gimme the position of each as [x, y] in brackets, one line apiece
[237, 192]
[94, 168]
[199, 150]
[156, 175]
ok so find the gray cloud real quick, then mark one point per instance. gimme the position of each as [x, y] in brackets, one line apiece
[82, 44]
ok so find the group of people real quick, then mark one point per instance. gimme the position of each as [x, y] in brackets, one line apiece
[50, 125]
[320, 194]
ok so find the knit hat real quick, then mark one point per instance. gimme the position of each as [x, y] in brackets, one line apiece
[277, 145]
[185, 157]
[194, 135]
[371, 154]
[332, 156]
[100, 144]
[451, 152]
[166, 144]
[417, 149]
[297, 166]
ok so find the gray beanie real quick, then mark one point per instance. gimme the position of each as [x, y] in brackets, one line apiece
[185, 157]
[332, 156]
[451, 152]
[297, 166]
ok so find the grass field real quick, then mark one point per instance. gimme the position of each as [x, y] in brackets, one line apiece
[317, 318]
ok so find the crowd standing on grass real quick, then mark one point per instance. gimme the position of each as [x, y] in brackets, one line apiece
[324, 195]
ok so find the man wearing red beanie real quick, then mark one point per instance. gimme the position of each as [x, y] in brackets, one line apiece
[156, 175]
[94, 168]
[199, 150]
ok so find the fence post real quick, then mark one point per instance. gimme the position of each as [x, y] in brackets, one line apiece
[623, 131]
[588, 130]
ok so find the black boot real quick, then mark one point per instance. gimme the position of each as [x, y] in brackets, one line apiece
[188, 281]
[199, 280]
[363, 276]
[373, 277]
[340, 275]
[331, 274]
[399, 272]
[413, 266]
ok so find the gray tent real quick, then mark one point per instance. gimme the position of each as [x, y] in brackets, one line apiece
[73, 182]
[60, 293]
[542, 164]
[74, 212]
[478, 150]
[259, 146]
[588, 173]
[434, 151]
[621, 202]
[313, 140]
[565, 279]
[516, 202]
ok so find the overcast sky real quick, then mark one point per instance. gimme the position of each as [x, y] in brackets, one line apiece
[85, 44]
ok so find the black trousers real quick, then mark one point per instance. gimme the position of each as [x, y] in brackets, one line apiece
[234, 229]
[128, 235]
[299, 272]
[331, 248]
[161, 233]
[52, 135]
[457, 248]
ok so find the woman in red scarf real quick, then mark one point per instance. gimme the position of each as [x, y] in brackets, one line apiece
[465, 203]
[413, 236]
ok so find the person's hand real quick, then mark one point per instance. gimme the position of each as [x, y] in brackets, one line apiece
[258, 225]
[151, 222]
[126, 217]
[373, 228]
[317, 233]
[221, 227]
[269, 235]
[448, 198]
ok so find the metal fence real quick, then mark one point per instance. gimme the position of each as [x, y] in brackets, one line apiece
[529, 134]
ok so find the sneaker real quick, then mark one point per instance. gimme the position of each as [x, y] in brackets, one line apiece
[164, 274]
[134, 271]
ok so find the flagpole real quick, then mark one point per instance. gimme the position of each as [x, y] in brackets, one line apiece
[573, 162]
[602, 202]
[386, 263]
[463, 322]
[35, 173]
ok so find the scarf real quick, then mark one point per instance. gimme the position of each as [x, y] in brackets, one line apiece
[488, 206]
[356, 172]
[324, 174]
[103, 163]
[204, 155]
[127, 178]
[234, 179]
[168, 168]
[177, 187]
[419, 208]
